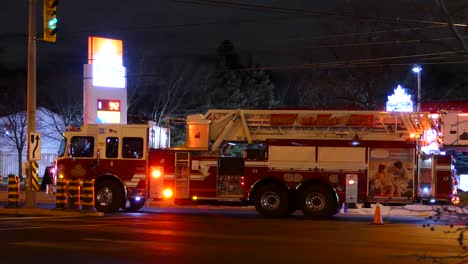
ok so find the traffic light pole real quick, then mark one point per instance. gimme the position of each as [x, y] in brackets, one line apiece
[30, 197]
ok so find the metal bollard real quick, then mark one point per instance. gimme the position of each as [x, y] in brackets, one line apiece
[61, 195]
[13, 191]
[74, 194]
[87, 196]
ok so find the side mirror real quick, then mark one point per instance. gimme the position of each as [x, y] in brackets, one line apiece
[98, 159]
[70, 151]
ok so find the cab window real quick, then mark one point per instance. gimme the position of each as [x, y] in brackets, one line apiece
[132, 147]
[112, 147]
[62, 147]
[81, 147]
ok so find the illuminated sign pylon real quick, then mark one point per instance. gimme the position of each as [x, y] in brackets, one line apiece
[105, 83]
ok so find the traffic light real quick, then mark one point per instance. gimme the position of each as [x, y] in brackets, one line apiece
[50, 20]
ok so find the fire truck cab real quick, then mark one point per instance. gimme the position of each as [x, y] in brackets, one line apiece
[115, 156]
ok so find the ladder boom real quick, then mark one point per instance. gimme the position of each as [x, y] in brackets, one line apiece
[252, 125]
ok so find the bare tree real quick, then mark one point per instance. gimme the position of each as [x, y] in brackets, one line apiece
[165, 91]
[66, 115]
[13, 128]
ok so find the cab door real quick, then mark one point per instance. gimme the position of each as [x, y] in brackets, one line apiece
[83, 163]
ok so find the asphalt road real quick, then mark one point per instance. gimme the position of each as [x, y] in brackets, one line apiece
[203, 235]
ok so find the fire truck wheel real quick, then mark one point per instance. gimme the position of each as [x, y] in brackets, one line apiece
[317, 201]
[271, 201]
[109, 198]
[135, 206]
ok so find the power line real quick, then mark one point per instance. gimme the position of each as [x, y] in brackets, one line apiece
[372, 32]
[315, 13]
[355, 62]
[379, 43]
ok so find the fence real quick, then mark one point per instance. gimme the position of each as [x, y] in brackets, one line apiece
[9, 163]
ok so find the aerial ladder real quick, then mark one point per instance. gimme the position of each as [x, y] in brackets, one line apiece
[259, 125]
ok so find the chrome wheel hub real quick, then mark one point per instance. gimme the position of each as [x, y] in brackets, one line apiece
[315, 201]
[270, 200]
[104, 196]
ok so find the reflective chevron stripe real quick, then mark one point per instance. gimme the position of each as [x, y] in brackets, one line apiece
[135, 180]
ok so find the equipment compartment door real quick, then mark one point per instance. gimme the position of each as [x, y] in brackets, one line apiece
[182, 175]
[230, 177]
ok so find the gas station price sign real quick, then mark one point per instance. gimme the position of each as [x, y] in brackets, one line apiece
[108, 111]
[108, 105]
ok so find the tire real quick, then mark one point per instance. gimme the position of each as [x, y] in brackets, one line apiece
[109, 197]
[271, 201]
[135, 206]
[318, 201]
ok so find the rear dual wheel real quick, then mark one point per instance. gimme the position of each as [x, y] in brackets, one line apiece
[272, 201]
[318, 201]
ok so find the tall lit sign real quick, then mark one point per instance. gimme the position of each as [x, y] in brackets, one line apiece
[399, 101]
[106, 58]
[104, 83]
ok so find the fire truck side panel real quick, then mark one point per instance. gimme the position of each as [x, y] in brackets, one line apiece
[166, 160]
[426, 179]
[82, 168]
[455, 128]
[436, 179]
[203, 180]
[392, 174]
[444, 178]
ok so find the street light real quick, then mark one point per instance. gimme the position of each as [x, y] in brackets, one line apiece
[417, 69]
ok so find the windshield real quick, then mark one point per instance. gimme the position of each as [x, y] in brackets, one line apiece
[61, 150]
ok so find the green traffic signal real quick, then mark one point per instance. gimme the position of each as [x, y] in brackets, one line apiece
[53, 23]
[50, 20]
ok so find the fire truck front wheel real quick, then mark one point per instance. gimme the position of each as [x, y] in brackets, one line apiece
[271, 201]
[109, 197]
[317, 201]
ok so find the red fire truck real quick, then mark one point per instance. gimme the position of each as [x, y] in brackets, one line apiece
[278, 160]
[116, 156]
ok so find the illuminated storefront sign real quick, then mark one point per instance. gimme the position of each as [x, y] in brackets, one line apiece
[108, 111]
[106, 58]
[399, 101]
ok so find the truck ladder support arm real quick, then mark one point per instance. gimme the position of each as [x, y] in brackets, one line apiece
[223, 133]
[245, 128]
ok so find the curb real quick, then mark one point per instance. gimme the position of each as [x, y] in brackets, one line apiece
[48, 212]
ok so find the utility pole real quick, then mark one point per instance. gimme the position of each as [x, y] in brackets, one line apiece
[30, 197]
[417, 69]
[419, 91]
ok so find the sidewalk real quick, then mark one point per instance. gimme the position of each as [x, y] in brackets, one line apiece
[45, 206]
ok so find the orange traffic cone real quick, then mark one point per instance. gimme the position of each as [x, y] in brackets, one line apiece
[377, 215]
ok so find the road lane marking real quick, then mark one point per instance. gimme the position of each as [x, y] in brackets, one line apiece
[61, 245]
[3, 219]
[20, 228]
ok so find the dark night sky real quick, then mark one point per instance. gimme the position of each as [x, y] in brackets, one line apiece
[162, 27]
[277, 33]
